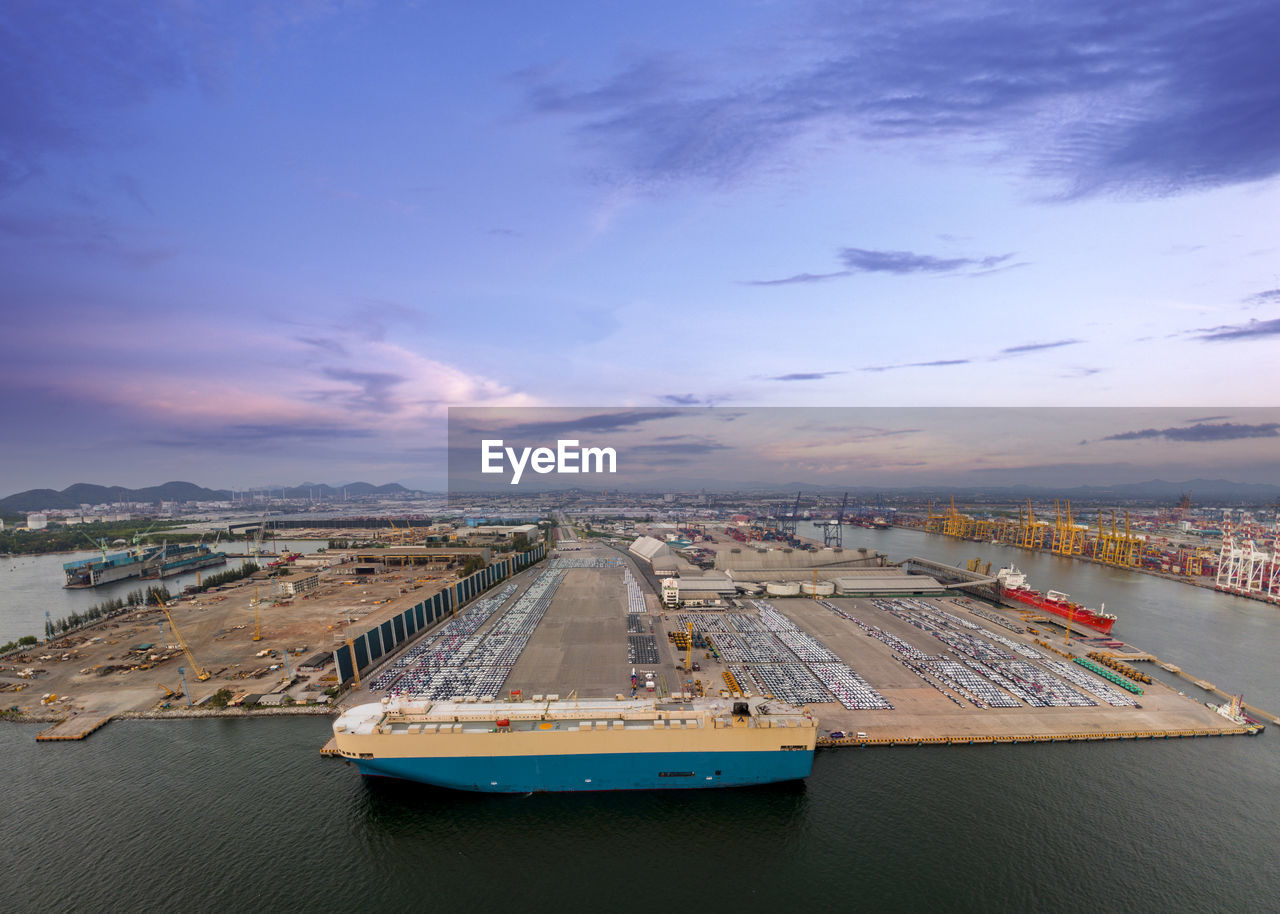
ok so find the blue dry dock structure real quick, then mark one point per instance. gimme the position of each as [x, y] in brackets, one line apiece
[146, 562]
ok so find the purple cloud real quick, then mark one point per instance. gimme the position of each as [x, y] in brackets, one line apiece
[1253, 330]
[860, 260]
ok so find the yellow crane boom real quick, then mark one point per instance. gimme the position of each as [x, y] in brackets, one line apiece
[201, 673]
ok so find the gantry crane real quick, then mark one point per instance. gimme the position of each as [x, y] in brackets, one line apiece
[832, 534]
[201, 673]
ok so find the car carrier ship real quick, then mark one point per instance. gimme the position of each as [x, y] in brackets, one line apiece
[589, 744]
[1013, 586]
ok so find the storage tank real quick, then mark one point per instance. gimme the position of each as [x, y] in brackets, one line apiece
[821, 589]
[783, 589]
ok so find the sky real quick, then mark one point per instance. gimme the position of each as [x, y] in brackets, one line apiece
[266, 243]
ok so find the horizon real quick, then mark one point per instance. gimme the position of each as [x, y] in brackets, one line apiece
[771, 449]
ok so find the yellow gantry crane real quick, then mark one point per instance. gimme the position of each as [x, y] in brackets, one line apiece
[201, 673]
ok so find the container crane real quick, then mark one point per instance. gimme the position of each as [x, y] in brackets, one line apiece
[787, 525]
[833, 533]
[201, 673]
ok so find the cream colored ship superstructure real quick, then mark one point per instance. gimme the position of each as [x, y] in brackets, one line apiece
[596, 744]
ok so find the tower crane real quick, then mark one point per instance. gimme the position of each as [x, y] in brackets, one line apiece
[201, 673]
[257, 552]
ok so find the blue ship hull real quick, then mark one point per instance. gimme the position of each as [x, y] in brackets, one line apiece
[623, 771]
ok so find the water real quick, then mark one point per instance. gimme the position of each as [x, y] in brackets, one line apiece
[32, 584]
[216, 815]
[1230, 641]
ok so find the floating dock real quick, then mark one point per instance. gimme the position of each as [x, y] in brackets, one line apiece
[75, 727]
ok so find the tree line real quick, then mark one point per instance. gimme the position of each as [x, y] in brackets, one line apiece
[218, 578]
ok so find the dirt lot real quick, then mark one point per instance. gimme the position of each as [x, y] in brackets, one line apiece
[104, 669]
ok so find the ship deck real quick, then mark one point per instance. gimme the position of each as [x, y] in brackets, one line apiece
[555, 716]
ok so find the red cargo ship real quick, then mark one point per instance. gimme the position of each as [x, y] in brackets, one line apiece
[1013, 586]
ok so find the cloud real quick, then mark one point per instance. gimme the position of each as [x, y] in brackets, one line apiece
[1271, 296]
[1094, 97]
[80, 235]
[805, 376]
[1035, 347]
[937, 363]
[683, 449]
[70, 70]
[324, 343]
[860, 260]
[374, 389]
[1226, 431]
[798, 278]
[476, 422]
[1253, 330]
[77, 64]
[1207, 419]
[239, 435]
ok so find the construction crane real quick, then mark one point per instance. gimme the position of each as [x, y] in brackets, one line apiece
[100, 545]
[201, 673]
[257, 551]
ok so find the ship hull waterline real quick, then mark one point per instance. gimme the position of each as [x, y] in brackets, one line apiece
[594, 771]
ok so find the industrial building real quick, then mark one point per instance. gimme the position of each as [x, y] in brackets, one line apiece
[298, 585]
[697, 590]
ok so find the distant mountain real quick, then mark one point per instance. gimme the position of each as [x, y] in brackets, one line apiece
[83, 493]
[352, 490]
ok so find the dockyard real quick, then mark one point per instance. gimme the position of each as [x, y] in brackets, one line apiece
[874, 671]
[589, 621]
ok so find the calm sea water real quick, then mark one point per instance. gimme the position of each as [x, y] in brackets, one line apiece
[215, 815]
